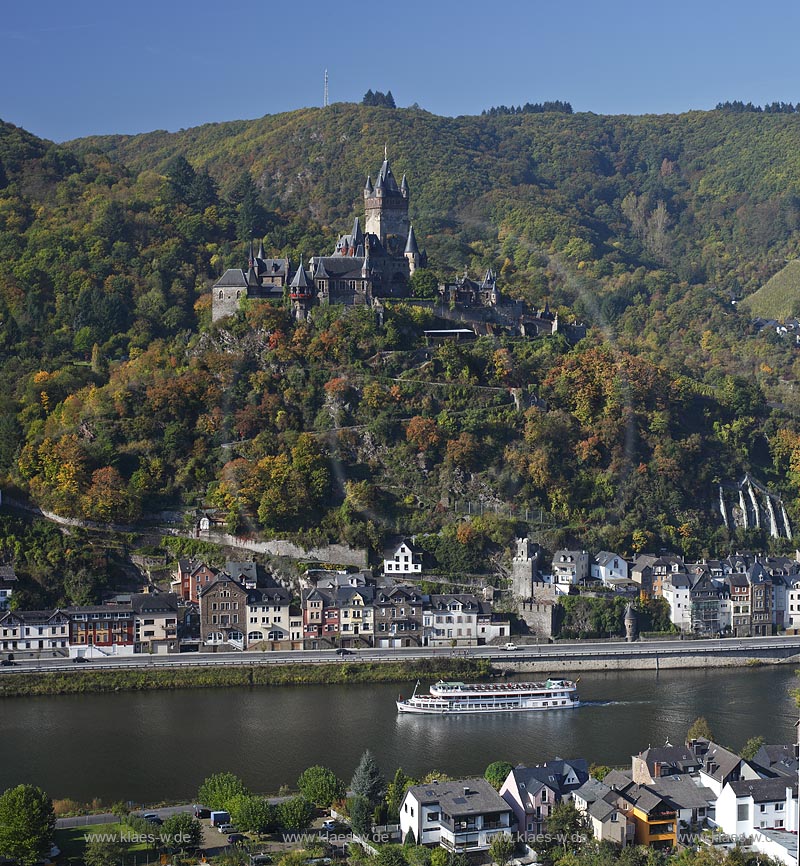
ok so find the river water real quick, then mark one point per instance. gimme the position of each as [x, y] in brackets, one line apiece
[153, 746]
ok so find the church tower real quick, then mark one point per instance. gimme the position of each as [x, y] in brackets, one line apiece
[386, 207]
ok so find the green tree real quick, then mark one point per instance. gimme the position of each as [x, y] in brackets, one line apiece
[699, 729]
[360, 811]
[501, 849]
[321, 786]
[219, 789]
[367, 780]
[439, 857]
[751, 748]
[599, 771]
[182, 831]
[103, 852]
[496, 773]
[566, 826]
[396, 791]
[254, 815]
[27, 822]
[295, 814]
[391, 855]
[424, 283]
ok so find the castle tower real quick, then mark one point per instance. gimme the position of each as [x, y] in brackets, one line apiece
[386, 205]
[524, 567]
[412, 250]
[301, 293]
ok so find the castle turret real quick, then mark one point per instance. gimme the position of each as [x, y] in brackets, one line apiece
[301, 292]
[631, 624]
[412, 251]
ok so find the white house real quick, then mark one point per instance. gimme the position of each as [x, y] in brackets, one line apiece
[757, 804]
[609, 566]
[677, 593]
[462, 815]
[793, 603]
[451, 620]
[405, 560]
[570, 567]
[8, 582]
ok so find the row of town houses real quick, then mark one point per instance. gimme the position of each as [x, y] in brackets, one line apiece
[249, 610]
[129, 624]
[743, 595]
[243, 607]
[670, 795]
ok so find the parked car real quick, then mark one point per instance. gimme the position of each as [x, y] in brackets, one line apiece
[260, 860]
[510, 647]
[330, 824]
[226, 828]
[236, 839]
[344, 652]
[202, 812]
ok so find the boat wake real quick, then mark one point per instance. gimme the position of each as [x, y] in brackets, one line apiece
[613, 703]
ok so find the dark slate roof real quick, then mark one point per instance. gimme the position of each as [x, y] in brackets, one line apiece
[461, 797]
[233, 278]
[7, 572]
[411, 243]
[300, 281]
[682, 792]
[340, 267]
[779, 759]
[764, 790]
[618, 780]
[368, 186]
[344, 594]
[719, 762]
[465, 599]
[601, 810]
[269, 595]
[677, 757]
[143, 602]
[552, 774]
[591, 790]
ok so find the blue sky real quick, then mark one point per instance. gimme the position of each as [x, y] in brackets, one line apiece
[82, 67]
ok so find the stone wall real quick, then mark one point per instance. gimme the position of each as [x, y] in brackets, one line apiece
[336, 554]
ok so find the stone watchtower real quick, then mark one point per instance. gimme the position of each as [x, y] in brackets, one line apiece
[631, 624]
[524, 568]
[386, 209]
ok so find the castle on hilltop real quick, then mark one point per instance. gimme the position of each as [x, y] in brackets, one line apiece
[366, 265]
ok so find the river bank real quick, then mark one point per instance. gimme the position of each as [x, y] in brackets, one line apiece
[292, 674]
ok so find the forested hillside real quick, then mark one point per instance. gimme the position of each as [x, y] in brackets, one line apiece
[118, 397]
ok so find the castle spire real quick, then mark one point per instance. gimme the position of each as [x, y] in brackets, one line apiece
[368, 188]
[299, 281]
[260, 254]
[411, 243]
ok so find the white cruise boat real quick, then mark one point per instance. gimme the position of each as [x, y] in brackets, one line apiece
[510, 697]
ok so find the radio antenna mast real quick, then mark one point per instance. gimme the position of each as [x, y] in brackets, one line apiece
[325, 102]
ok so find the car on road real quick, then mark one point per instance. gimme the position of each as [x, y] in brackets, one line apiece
[344, 652]
[510, 647]
[7, 663]
[201, 812]
[236, 839]
[79, 660]
[152, 818]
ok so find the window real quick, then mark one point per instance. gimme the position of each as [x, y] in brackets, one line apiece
[779, 806]
[743, 812]
[762, 807]
[433, 816]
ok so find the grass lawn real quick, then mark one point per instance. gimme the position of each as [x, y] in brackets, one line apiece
[73, 841]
